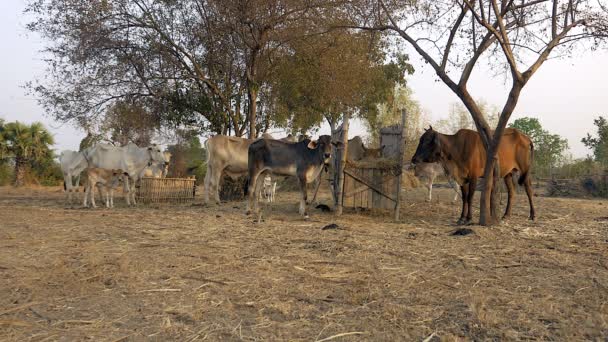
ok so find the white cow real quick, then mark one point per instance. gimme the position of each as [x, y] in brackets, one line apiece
[72, 164]
[129, 158]
[430, 171]
[157, 170]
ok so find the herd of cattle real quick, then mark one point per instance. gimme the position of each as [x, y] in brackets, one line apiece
[461, 157]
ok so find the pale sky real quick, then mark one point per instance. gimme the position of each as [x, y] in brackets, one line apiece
[565, 94]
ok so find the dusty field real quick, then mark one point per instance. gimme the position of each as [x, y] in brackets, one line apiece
[194, 273]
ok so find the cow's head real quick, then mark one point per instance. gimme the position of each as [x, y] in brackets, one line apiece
[167, 156]
[119, 174]
[429, 148]
[156, 155]
[323, 145]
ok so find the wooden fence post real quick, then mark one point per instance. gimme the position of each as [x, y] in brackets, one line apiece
[400, 170]
[339, 180]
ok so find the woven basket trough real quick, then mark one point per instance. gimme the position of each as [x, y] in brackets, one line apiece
[166, 190]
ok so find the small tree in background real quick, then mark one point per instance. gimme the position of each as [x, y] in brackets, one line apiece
[599, 143]
[549, 148]
[389, 113]
[188, 156]
[25, 144]
[459, 117]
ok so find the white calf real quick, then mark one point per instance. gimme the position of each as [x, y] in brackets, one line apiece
[104, 179]
[431, 170]
[269, 188]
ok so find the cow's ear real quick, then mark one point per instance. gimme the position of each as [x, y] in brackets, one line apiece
[312, 145]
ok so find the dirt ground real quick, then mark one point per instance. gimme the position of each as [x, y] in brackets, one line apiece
[193, 273]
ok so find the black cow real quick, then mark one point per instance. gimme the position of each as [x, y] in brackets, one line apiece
[304, 160]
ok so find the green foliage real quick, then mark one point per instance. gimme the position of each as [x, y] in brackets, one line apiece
[188, 157]
[130, 121]
[6, 173]
[27, 146]
[89, 140]
[549, 148]
[332, 74]
[598, 143]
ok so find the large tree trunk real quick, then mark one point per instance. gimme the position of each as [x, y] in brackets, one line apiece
[489, 206]
[253, 95]
[252, 91]
[20, 170]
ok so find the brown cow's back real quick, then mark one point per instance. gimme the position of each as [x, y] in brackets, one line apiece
[514, 152]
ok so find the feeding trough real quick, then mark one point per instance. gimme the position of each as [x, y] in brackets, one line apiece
[166, 190]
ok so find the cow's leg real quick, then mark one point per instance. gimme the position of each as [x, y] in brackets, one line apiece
[252, 194]
[77, 183]
[429, 187]
[93, 196]
[86, 193]
[67, 186]
[528, 186]
[216, 176]
[133, 191]
[207, 183]
[465, 196]
[455, 187]
[107, 198]
[302, 179]
[510, 195]
[471, 194]
[125, 190]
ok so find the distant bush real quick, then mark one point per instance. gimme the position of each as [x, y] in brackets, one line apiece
[6, 174]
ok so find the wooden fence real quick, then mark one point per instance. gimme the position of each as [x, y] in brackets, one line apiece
[166, 190]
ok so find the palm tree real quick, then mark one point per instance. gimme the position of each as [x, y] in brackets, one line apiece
[25, 144]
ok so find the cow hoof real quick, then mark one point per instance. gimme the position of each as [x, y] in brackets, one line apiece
[463, 221]
[532, 218]
[427, 200]
[248, 212]
[306, 217]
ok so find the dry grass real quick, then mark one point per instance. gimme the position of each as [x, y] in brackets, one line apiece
[193, 273]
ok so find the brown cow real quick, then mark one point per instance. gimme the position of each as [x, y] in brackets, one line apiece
[464, 157]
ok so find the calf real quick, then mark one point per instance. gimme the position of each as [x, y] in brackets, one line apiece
[463, 155]
[269, 188]
[304, 160]
[429, 171]
[104, 179]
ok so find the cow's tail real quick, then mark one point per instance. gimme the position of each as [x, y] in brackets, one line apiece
[526, 173]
